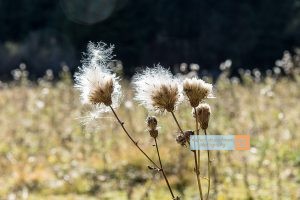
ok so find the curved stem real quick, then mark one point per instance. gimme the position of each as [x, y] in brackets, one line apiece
[195, 157]
[132, 140]
[175, 119]
[197, 131]
[208, 168]
[162, 169]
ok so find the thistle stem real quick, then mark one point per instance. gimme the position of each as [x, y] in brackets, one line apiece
[197, 132]
[208, 168]
[195, 157]
[162, 169]
[132, 140]
[175, 119]
[198, 176]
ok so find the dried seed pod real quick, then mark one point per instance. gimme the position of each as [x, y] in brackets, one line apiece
[151, 122]
[203, 113]
[153, 133]
[184, 138]
[152, 126]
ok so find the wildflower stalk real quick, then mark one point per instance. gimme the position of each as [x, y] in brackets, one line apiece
[132, 140]
[175, 119]
[198, 175]
[208, 168]
[197, 164]
[101, 89]
[162, 170]
[195, 158]
[197, 132]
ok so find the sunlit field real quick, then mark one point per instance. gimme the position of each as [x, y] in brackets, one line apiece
[46, 152]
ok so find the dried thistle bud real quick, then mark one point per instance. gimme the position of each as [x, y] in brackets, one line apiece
[184, 138]
[151, 122]
[196, 90]
[180, 140]
[153, 133]
[203, 113]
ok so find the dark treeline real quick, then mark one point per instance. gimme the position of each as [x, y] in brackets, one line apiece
[48, 33]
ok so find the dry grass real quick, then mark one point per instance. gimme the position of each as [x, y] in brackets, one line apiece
[46, 154]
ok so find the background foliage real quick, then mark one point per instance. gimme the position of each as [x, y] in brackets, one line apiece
[45, 153]
[46, 34]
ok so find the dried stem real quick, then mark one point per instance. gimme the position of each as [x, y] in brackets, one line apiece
[195, 157]
[208, 168]
[132, 140]
[198, 175]
[162, 169]
[197, 132]
[175, 119]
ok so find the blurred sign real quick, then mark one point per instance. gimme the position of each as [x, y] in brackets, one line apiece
[220, 142]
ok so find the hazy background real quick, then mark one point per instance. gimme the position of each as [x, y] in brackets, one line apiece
[46, 34]
[49, 149]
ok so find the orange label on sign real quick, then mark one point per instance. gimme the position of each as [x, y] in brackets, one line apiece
[242, 142]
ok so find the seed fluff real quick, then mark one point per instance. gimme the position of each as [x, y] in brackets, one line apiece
[157, 89]
[98, 86]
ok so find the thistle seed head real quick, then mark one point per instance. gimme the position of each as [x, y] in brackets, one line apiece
[165, 97]
[196, 90]
[98, 86]
[203, 113]
[157, 89]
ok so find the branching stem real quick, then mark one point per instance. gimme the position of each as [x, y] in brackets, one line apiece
[132, 140]
[195, 157]
[160, 168]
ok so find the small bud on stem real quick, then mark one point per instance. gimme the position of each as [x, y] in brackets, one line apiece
[184, 138]
[151, 122]
[152, 126]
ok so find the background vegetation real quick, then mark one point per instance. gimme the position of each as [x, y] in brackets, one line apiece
[45, 153]
[46, 34]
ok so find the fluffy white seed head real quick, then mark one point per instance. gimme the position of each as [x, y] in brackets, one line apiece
[157, 89]
[196, 90]
[98, 86]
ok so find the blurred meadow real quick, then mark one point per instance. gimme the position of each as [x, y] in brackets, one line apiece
[51, 147]
[46, 153]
